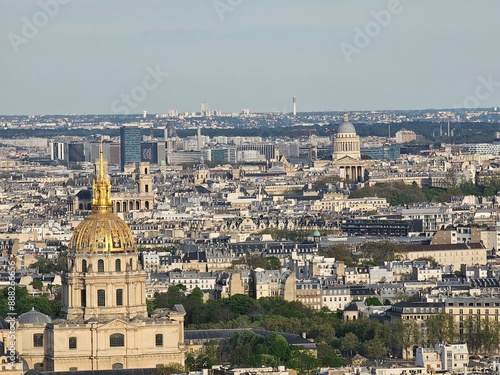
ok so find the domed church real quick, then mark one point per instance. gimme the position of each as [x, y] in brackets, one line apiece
[104, 322]
[347, 152]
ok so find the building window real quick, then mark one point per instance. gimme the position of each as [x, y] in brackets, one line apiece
[100, 265]
[118, 265]
[38, 339]
[117, 366]
[119, 297]
[84, 265]
[101, 297]
[159, 339]
[83, 297]
[72, 342]
[116, 339]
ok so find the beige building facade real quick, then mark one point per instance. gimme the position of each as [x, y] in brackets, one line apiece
[104, 322]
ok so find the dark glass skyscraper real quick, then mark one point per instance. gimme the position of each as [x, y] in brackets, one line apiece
[130, 145]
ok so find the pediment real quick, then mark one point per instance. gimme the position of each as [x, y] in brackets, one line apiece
[116, 324]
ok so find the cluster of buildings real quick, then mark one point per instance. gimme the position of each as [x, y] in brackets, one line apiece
[163, 217]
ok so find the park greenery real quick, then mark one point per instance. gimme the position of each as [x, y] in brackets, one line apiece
[398, 193]
[336, 339]
[24, 303]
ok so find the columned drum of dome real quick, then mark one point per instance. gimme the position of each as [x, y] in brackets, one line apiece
[347, 152]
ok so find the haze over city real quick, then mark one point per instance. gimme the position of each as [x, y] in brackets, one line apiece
[83, 57]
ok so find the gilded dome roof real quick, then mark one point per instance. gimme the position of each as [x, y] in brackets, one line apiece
[102, 230]
[346, 126]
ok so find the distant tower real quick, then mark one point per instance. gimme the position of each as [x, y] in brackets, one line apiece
[389, 130]
[294, 101]
[204, 109]
[440, 130]
[198, 139]
[144, 114]
[130, 145]
[449, 129]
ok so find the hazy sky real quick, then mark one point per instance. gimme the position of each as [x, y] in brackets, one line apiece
[105, 56]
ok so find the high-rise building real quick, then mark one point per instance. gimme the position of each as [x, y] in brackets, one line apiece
[130, 145]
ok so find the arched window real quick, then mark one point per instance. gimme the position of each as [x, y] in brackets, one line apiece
[119, 297]
[101, 297]
[118, 265]
[84, 265]
[89, 206]
[146, 188]
[117, 366]
[137, 205]
[80, 206]
[147, 205]
[124, 206]
[130, 263]
[159, 339]
[116, 339]
[100, 265]
[117, 206]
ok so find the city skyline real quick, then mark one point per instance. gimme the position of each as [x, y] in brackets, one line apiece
[73, 57]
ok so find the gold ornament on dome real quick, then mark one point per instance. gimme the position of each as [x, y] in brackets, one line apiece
[102, 230]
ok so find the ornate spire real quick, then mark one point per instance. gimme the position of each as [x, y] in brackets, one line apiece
[346, 117]
[101, 189]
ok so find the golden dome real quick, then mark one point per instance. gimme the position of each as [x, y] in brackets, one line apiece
[102, 230]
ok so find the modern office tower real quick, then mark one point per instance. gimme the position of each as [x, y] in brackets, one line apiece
[294, 102]
[204, 109]
[130, 143]
[75, 152]
[57, 150]
[149, 152]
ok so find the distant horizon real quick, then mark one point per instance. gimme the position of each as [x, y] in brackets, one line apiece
[492, 108]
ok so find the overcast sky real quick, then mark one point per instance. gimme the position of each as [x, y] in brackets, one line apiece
[105, 56]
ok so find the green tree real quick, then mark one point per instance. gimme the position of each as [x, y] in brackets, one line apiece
[304, 362]
[409, 335]
[373, 301]
[173, 296]
[37, 284]
[278, 347]
[383, 251]
[350, 343]
[170, 368]
[341, 252]
[440, 328]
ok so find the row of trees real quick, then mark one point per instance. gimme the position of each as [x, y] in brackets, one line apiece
[398, 193]
[334, 336]
[24, 303]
